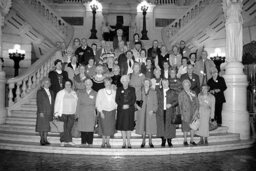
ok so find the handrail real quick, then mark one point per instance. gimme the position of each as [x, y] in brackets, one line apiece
[169, 31]
[21, 86]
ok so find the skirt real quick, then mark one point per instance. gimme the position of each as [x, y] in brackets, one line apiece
[107, 125]
[125, 119]
[185, 126]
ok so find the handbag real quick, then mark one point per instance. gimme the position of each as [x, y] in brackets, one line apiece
[194, 125]
[57, 126]
[139, 103]
[75, 132]
[176, 119]
[213, 125]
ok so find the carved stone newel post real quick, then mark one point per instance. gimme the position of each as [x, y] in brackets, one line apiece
[234, 114]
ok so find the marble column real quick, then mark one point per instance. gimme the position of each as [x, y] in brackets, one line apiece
[4, 9]
[235, 115]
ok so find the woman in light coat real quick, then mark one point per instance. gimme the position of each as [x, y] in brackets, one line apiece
[86, 112]
[65, 108]
[146, 118]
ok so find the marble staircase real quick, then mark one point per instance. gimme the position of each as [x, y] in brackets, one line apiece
[18, 133]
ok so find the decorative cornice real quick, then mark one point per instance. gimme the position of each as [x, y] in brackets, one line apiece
[5, 6]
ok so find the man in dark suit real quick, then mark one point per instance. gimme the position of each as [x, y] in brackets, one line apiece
[57, 77]
[217, 86]
[154, 51]
[193, 78]
[84, 53]
[165, 70]
[126, 66]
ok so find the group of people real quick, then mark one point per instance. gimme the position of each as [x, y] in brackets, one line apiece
[125, 87]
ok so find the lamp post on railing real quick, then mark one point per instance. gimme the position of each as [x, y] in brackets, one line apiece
[16, 54]
[94, 7]
[144, 31]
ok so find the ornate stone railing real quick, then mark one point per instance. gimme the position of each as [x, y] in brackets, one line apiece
[74, 1]
[23, 86]
[48, 13]
[194, 11]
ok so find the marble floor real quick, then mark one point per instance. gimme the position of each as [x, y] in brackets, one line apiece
[239, 160]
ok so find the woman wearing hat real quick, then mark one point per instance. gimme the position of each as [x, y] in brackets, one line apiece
[217, 86]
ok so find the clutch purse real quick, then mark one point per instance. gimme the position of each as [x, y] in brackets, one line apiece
[176, 119]
[213, 125]
[139, 103]
[57, 126]
[194, 125]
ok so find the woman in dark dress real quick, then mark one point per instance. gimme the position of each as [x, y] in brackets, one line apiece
[217, 86]
[45, 104]
[116, 78]
[164, 56]
[125, 99]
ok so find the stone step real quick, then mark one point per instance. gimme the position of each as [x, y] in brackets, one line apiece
[23, 113]
[33, 137]
[29, 107]
[31, 129]
[118, 151]
[21, 121]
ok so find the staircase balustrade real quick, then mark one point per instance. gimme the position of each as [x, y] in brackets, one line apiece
[25, 85]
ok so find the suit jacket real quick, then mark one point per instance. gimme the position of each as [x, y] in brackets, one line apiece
[199, 69]
[162, 74]
[86, 54]
[124, 67]
[55, 85]
[195, 82]
[219, 84]
[151, 52]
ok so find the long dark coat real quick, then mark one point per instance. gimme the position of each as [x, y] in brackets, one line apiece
[164, 127]
[44, 106]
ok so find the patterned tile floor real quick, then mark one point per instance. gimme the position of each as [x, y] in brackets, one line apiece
[239, 160]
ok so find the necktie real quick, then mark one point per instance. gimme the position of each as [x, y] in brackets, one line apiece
[205, 74]
[130, 63]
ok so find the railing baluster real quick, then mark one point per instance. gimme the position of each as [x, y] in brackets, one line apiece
[29, 84]
[18, 91]
[24, 88]
[10, 95]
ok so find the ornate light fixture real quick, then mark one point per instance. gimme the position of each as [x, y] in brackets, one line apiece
[144, 8]
[94, 7]
[16, 54]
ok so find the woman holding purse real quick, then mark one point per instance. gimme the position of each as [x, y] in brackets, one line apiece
[146, 118]
[189, 105]
[206, 111]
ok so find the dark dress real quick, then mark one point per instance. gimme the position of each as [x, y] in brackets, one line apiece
[116, 80]
[57, 81]
[125, 117]
[219, 97]
[44, 106]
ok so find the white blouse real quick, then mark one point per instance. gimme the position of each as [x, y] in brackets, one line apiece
[105, 100]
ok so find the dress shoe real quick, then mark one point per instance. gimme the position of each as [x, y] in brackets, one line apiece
[129, 146]
[169, 141]
[206, 141]
[124, 146]
[142, 145]
[47, 143]
[108, 145]
[42, 143]
[170, 145]
[185, 143]
[102, 145]
[151, 145]
[193, 143]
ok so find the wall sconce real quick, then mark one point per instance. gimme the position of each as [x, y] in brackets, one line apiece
[16, 54]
